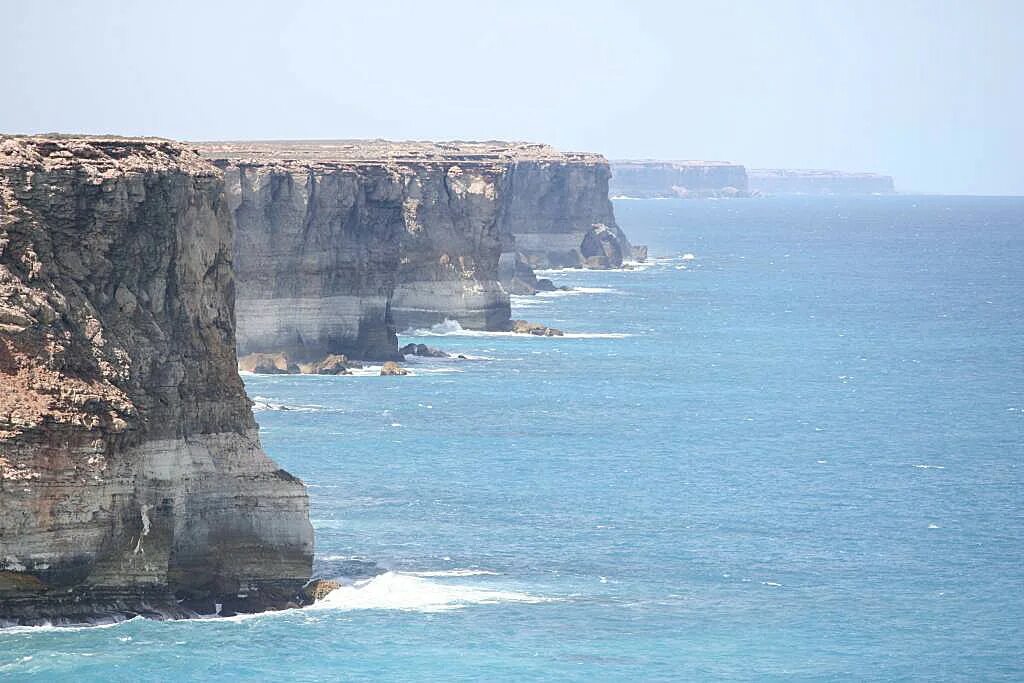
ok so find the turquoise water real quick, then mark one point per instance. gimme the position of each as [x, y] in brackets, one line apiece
[796, 455]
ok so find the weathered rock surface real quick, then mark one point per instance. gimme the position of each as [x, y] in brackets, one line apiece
[131, 472]
[601, 249]
[651, 179]
[392, 368]
[318, 590]
[267, 364]
[334, 364]
[536, 329]
[340, 243]
[811, 181]
[554, 202]
[422, 350]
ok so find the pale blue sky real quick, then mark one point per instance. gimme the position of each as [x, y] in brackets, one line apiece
[930, 92]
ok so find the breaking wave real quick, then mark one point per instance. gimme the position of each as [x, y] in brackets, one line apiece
[413, 592]
[452, 328]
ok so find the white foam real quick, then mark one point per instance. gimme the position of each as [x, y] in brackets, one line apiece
[930, 467]
[15, 630]
[454, 572]
[576, 291]
[452, 328]
[261, 403]
[408, 592]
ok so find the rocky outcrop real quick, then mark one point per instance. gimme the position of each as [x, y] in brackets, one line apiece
[267, 364]
[393, 369]
[809, 181]
[132, 480]
[340, 243]
[536, 329]
[652, 179]
[422, 350]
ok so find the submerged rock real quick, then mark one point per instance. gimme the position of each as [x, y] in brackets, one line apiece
[392, 368]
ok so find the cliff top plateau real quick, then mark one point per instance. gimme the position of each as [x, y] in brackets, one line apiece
[388, 151]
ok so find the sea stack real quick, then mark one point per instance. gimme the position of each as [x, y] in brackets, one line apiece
[132, 480]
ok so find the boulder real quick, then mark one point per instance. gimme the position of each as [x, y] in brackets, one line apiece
[334, 364]
[422, 350]
[392, 368]
[601, 248]
[317, 590]
[268, 364]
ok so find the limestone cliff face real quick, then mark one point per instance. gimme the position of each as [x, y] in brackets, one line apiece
[131, 474]
[316, 257]
[811, 181]
[652, 179]
[553, 203]
[339, 244]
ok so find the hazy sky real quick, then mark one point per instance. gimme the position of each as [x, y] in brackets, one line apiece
[930, 92]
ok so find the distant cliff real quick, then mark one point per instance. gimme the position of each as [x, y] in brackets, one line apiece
[652, 179]
[340, 243]
[132, 480]
[797, 181]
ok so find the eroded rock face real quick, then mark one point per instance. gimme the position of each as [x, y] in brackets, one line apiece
[601, 249]
[553, 203]
[340, 243]
[131, 473]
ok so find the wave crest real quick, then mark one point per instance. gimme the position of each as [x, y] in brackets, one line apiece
[409, 592]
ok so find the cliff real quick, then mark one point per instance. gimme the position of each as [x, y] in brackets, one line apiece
[650, 179]
[808, 181]
[555, 200]
[340, 243]
[132, 480]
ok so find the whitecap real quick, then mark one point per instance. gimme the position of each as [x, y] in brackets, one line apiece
[452, 328]
[408, 592]
[453, 572]
[930, 467]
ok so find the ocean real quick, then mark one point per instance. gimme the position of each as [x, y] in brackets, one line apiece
[789, 447]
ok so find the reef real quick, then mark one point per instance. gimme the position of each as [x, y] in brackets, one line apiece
[132, 479]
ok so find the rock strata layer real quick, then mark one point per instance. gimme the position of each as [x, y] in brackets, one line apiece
[132, 480]
[341, 243]
[653, 179]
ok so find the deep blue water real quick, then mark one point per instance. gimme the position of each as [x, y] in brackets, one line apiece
[800, 459]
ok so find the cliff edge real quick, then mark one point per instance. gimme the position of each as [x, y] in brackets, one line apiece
[132, 480]
[340, 243]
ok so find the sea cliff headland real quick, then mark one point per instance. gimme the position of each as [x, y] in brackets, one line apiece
[132, 480]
